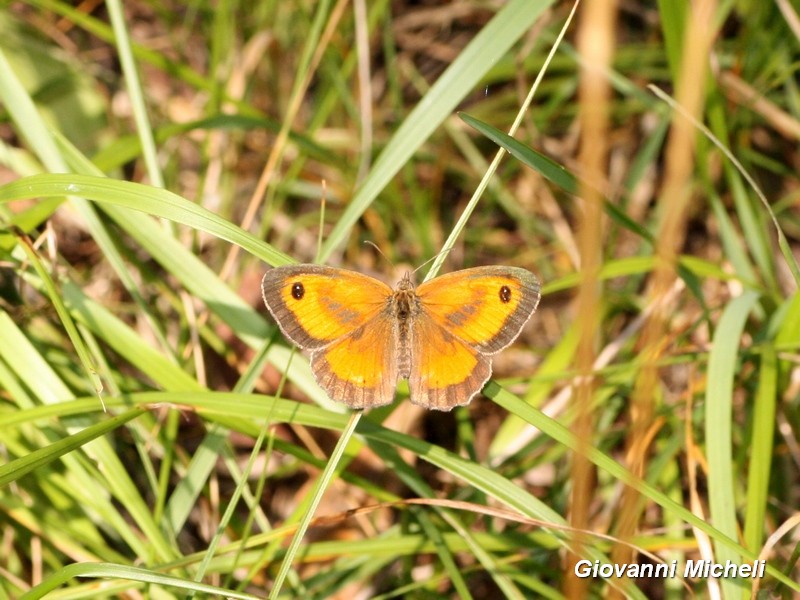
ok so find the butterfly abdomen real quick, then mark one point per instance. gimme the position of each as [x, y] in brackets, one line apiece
[405, 307]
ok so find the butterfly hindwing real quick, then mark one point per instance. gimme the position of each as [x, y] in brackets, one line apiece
[445, 372]
[361, 368]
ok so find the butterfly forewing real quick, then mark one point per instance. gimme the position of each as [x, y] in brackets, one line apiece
[315, 305]
[485, 306]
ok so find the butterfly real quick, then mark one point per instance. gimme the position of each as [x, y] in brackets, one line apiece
[363, 336]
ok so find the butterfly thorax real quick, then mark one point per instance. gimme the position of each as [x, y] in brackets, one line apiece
[404, 306]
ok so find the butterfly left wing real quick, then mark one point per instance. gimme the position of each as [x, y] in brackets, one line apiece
[341, 318]
[316, 305]
[360, 369]
[465, 317]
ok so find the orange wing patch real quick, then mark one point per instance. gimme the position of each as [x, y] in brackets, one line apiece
[485, 307]
[360, 369]
[445, 372]
[316, 305]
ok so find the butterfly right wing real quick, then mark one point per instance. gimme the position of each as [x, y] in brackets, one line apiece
[486, 307]
[465, 317]
[445, 371]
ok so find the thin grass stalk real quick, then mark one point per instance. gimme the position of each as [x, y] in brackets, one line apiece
[673, 202]
[596, 45]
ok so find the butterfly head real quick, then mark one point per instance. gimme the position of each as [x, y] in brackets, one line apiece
[405, 284]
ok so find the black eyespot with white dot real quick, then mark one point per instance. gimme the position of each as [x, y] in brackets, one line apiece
[298, 291]
[505, 294]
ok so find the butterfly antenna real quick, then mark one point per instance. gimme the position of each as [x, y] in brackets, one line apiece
[369, 243]
[444, 251]
[321, 219]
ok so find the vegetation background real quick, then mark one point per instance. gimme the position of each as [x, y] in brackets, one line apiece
[150, 444]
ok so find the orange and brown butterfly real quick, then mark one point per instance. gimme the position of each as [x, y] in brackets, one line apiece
[363, 336]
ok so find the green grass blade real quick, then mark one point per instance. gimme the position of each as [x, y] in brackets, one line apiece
[316, 496]
[722, 368]
[547, 167]
[493, 41]
[16, 469]
[762, 447]
[133, 574]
